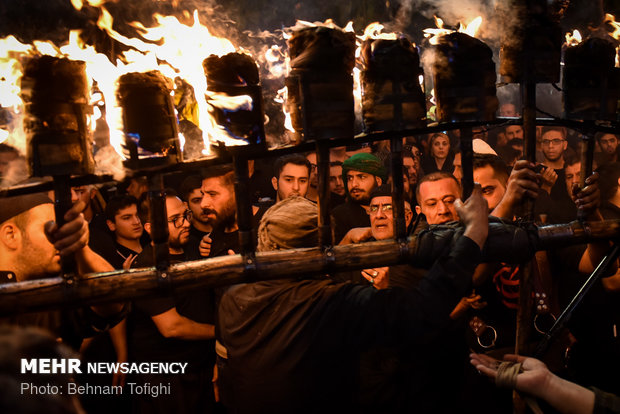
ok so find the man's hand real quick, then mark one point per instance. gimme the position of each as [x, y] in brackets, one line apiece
[522, 183]
[548, 179]
[73, 235]
[129, 261]
[378, 276]
[356, 235]
[474, 215]
[588, 199]
[205, 246]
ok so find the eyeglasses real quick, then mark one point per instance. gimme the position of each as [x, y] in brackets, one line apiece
[178, 220]
[374, 208]
[554, 142]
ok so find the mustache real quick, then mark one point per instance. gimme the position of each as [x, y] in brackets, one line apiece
[209, 211]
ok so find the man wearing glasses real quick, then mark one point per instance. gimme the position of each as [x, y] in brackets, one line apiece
[553, 146]
[177, 327]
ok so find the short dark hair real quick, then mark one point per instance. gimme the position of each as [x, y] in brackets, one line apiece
[188, 185]
[144, 206]
[600, 135]
[432, 177]
[559, 129]
[224, 172]
[500, 169]
[118, 203]
[296, 159]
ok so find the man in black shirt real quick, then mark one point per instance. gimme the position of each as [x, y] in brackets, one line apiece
[124, 223]
[219, 202]
[175, 327]
[201, 226]
[361, 174]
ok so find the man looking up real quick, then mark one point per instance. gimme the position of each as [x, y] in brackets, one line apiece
[361, 173]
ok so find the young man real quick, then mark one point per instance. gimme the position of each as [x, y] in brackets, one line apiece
[313, 184]
[174, 328]
[123, 221]
[362, 173]
[291, 176]
[609, 148]
[553, 146]
[201, 226]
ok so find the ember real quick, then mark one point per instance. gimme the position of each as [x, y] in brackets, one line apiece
[56, 97]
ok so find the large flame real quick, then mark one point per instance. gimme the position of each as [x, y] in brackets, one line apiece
[470, 29]
[171, 47]
[573, 39]
[610, 20]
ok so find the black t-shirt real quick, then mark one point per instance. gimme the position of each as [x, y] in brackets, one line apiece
[145, 341]
[192, 248]
[224, 241]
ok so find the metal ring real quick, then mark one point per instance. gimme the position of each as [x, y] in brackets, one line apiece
[492, 341]
[540, 331]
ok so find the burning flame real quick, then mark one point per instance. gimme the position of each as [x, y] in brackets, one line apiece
[573, 39]
[166, 48]
[611, 21]
[470, 29]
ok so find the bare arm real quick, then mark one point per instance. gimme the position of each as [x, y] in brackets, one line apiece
[171, 324]
[537, 380]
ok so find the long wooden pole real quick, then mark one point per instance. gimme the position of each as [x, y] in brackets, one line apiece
[506, 243]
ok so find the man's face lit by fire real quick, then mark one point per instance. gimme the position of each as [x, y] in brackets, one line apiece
[194, 200]
[492, 189]
[360, 184]
[458, 167]
[178, 236]
[82, 193]
[514, 131]
[609, 144]
[412, 170]
[553, 145]
[126, 224]
[336, 184]
[218, 202]
[382, 217]
[293, 181]
[437, 200]
[36, 256]
[572, 173]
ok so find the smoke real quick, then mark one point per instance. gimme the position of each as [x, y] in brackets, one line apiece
[451, 11]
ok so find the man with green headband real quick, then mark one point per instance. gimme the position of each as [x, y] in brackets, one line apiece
[361, 173]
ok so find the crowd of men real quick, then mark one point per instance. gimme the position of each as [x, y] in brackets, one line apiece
[384, 339]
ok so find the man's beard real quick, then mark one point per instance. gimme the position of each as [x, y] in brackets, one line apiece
[226, 218]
